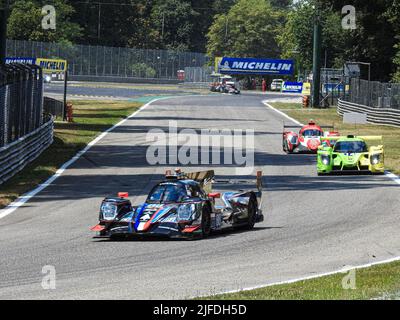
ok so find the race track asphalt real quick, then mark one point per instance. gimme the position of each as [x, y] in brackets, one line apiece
[312, 224]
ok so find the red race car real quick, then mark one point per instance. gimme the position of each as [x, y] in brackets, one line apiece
[307, 140]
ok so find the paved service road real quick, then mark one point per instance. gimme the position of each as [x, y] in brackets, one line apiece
[313, 224]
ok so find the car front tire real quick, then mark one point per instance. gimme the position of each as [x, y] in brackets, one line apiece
[205, 222]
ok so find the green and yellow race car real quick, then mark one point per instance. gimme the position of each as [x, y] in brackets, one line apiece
[350, 154]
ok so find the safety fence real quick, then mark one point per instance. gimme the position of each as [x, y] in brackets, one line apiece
[383, 116]
[21, 101]
[54, 107]
[374, 94]
[24, 131]
[101, 61]
[198, 74]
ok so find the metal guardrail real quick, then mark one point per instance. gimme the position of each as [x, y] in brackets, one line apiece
[16, 155]
[383, 116]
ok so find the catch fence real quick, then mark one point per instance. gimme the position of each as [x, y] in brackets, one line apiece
[101, 61]
[24, 131]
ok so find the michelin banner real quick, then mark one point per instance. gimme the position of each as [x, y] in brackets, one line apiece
[256, 66]
[52, 65]
[23, 60]
[295, 87]
[48, 65]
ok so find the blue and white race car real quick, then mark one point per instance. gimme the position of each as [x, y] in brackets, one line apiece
[182, 206]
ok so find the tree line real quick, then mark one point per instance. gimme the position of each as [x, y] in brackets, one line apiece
[246, 28]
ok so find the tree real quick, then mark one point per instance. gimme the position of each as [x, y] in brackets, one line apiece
[393, 15]
[296, 37]
[173, 22]
[25, 22]
[372, 41]
[248, 29]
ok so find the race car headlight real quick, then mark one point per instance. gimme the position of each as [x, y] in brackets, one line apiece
[325, 160]
[375, 159]
[186, 211]
[108, 210]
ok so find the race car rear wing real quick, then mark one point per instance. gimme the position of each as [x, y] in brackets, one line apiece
[285, 126]
[241, 185]
[366, 138]
[207, 179]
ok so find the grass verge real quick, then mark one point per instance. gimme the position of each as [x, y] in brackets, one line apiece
[369, 283]
[391, 135]
[90, 119]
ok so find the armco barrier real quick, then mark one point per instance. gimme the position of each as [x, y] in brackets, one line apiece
[16, 155]
[389, 117]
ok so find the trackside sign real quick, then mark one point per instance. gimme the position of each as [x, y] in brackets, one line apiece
[48, 65]
[295, 87]
[23, 60]
[256, 66]
[52, 65]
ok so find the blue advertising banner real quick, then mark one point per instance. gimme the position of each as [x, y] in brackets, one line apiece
[256, 66]
[333, 87]
[295, 87]
[24, 60]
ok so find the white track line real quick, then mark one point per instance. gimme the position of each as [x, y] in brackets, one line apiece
[343, 270]
[282, 113]
[26, 197]
[388, 174]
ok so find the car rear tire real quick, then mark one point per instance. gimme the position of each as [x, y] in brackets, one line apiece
[284, 146]
[252, 213]
[205, 222]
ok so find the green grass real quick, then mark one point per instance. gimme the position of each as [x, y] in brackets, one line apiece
[90, 119]
[382, 281]
[391, 135]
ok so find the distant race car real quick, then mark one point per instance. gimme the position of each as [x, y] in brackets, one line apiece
[231, 88]
[307, 140]
[277, 84]
[182, 206]
[350, 154]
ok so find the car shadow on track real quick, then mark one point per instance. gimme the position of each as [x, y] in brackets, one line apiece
[279, 183]
[214, 235]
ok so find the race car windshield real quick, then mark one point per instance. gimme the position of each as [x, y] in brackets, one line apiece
[312, 133]
[351, 147]
[167, 193]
